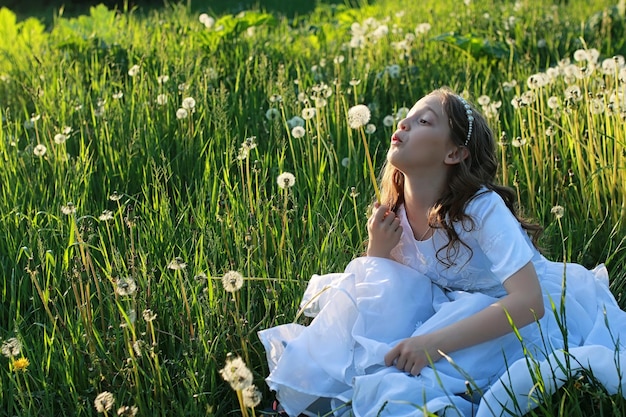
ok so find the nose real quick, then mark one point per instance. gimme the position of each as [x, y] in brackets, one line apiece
[403, 124]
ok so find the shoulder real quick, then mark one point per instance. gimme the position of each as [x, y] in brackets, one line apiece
[484, 202]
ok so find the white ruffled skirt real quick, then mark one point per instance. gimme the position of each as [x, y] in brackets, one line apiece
[335, 365]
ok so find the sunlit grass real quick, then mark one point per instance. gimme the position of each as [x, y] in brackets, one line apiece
[140, 162]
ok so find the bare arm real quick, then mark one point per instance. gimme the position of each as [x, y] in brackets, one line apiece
[522, 305]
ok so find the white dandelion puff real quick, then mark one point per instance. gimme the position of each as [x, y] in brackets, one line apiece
[161, 99]
[125, 286]
[298, 132]
[189, 103]
[104, 402]
[388, 121]
[232, 281]
[358, 116]
[182, 113]
[106, 216]
[308, 113]
[134, 70]
[60, 138]
[272, 113]
[40, 150]
[237, 374]
[251, 396]
[11, 347]
[370, 128]
[176, 264]
[558, 211]
[68, 208]
[286, 180]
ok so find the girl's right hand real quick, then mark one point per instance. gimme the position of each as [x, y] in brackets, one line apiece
[384, 230]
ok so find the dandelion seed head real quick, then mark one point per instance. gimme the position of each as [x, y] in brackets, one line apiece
[127, 410]
[286, 180]
[518, 142]
[232, 281]
[308, 113]
[558, 211]
[68, 208]
[353, 192]
[402, 113]
[251, 396]
[40, 150]
[189, 103]
[21, 364]
[295, 121]
[104, 402]
[276, 98]
[388, 121]
[298, 132]
[162, 79]
[272, 113]
[358, 116]
[370, 128]
[237, 374]
[125, 286]
[553, 102]
[182, 113]
[176, 264]
[134, 70]
[60, 138]
[483, 100]
[11, 347]
[149, 315]
[206, 20]
[422, 28]
[161, 99]
[117, 95]
[115, 196]
[106, 216]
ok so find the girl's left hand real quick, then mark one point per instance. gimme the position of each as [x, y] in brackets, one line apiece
[412, 355]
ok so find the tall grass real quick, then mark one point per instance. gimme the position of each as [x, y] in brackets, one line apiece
[140, 156]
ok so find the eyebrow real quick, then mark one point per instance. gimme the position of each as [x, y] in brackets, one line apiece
[428, 108]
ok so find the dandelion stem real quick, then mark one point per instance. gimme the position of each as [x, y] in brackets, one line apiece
[370, 165]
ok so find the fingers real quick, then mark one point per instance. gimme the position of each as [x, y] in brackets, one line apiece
[391, 356]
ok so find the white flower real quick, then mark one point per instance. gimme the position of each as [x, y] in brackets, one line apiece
[596, 106]
[189, 103]
[402, 113]
[251, 396]
[308, 113]
[295, 121]
[149, 315]
[118, 95]
[518, 142]
[345, 162]
[388, 121]
[161, 99]
[182, 113]
[422, 28]
[370, 128]
[162, 79]
[286, 180]
[134, 70]
[104, 402]
[483, 100]
[106, 215]
[358, 116]
[553, 102]
[66, 130]
[60, 138]
[509, 85]
[125, 286]
[339, 59]
[272, 113]
[206, 20]
[11, 347]
[558, 211]
[232, 281]
[298, 132]
[40, 150]
[68, 209]
[237, 374]
[176, 264]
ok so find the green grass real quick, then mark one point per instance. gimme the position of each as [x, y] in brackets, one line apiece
[147, 188]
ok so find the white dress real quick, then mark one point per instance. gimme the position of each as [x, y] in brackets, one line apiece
[337, 362]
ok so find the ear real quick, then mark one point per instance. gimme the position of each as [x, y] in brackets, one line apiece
[455, 155]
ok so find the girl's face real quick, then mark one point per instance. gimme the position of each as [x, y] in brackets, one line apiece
[423, 139]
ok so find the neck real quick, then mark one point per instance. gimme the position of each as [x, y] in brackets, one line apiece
[421, 194]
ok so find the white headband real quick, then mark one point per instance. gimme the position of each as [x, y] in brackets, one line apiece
[470, 118]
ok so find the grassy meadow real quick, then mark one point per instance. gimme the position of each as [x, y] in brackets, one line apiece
[150, 159]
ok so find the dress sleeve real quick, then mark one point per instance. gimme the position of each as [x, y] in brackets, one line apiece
[499, 235]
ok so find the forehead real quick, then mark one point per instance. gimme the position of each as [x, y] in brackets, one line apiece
[431, 102]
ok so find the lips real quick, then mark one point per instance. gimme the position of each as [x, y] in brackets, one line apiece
[395, 139]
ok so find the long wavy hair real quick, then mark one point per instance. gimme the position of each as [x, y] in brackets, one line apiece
[465, 179]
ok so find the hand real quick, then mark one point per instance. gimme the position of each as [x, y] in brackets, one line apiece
[384, 230]
[412, 355]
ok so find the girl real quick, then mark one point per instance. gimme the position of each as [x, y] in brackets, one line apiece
[452, 298]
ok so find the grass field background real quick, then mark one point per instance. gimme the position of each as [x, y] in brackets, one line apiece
[141, 150]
